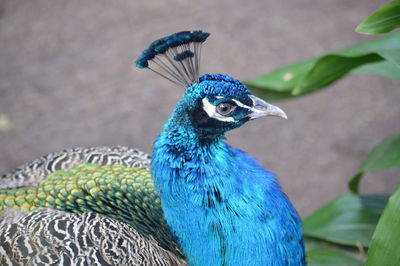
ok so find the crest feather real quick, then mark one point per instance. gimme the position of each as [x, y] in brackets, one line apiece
[175, 57]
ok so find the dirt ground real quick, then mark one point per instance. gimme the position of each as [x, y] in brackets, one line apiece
[67, 80]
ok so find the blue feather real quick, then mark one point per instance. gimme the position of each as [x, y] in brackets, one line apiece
[183, 55]
[224, 208]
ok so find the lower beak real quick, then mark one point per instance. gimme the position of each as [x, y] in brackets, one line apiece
[262, 108]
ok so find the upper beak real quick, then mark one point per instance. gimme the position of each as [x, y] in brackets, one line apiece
[262, 108]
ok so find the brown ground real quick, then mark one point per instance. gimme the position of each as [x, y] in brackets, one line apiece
[67, 80]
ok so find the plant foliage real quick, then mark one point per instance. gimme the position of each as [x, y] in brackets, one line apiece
[316, 73]
[382, 21]
[384, 155]
[385, 243]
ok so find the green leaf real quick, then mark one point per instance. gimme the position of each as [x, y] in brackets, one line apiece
[318, 72]
[384, 20]
[326, 254]
[391, 56]
[382, 68]
[271, 95]
[385, 243]
[383, 155]
[348, 220]
[330, 68]
[354, 182]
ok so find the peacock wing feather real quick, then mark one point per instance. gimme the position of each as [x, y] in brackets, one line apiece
[50, 237]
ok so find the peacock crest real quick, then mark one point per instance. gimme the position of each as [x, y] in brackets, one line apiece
[175, 57]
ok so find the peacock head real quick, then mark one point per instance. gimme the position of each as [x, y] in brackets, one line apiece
[220, 103]
[214, 103]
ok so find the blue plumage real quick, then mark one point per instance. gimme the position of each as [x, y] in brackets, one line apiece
[221, 205]
[183, 55]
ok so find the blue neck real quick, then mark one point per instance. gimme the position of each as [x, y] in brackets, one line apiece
[222, 206]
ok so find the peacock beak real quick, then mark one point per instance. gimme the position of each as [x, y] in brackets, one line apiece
[262, 108]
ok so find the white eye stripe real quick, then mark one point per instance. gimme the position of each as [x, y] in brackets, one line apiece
[240, 104]
[211, 112]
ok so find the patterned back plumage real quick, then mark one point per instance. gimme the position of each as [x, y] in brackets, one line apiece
[31, 173]
[51, 180]
[50, 237]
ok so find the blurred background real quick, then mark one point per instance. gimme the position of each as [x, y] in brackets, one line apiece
[67, 80]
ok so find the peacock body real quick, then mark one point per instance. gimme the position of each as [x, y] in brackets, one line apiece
[202, 200]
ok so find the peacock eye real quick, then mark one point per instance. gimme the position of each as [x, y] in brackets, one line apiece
[225, 108]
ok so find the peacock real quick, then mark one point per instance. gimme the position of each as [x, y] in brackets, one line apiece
[196, 201]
